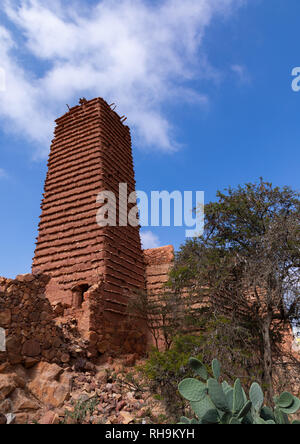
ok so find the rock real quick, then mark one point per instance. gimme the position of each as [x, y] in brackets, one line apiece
[50, 372]
[80, 364]
[90, 367]
[120, 405]
[10, 418]
[142, 412]
[31, 348]
[49, 354]
[49, 417]
[22, 402]
[102, 347]
[13, 347]
[61, 412]
[87, 388]
[2, 419]
[6, 406]
[57, 342]
[21, 418]
[93, 386]
[130, 395]
[101, 376]
[14, 358]
[25, 278]
[126, 417]
[44, 316]
[93, 338]
[30, 362]
[113, 419]
[5, 318]
[65, 358]
[8, 383]
[130, 360]
[4, 367]
[49, 385]
[83, 398]
[59, 310]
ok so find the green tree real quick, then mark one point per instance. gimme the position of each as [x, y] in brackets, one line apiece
[247, 263]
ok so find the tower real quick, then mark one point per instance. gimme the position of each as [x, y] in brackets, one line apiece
[91, 152]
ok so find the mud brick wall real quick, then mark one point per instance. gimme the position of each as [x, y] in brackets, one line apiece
[158, 264]
[28, 320]
[108, 335]
[101, 332]
[91, 152]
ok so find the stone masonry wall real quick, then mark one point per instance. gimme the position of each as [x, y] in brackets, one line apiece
[34, 327]
[28, 320]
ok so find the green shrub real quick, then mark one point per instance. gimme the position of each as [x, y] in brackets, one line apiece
[165, 369]
[214, 402]
[169, 366]
[82, 408]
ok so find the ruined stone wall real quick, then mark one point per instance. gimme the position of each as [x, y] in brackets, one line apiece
[28, 320]
[105, 335]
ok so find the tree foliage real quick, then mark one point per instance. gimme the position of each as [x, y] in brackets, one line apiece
[247, 263]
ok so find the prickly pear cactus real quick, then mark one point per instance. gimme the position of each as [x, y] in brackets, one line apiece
[218, 403]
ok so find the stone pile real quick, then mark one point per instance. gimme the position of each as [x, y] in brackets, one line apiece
[48, 394]
[26, 394]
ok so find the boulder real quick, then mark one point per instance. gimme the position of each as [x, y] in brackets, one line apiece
[13, 347]
[6, 406]
[31, 348]
[30, 362]
[8, 383]
[49, 417]
[50, 385]
[5, 318]
[127, 417]
[22, 402]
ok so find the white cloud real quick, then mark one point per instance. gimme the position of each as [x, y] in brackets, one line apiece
[149, 240]
[136, 53]
[242, 72]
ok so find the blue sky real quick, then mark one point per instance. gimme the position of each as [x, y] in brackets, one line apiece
[206, 86]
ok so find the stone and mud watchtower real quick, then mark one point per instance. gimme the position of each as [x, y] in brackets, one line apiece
[93, 269]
